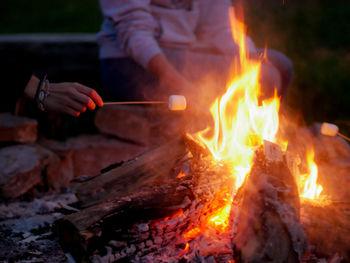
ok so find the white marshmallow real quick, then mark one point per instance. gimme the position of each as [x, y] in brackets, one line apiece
[177, 102]
[329, 129]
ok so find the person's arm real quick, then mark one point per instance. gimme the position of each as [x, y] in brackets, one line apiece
[136, 29]
[136, 32]
[161, 67]
[67, 97]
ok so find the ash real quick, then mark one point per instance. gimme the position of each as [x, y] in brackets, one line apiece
[25, 229]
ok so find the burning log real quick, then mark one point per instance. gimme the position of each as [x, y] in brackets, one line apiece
[150, 168]
[134, 191]
[128, 213]
[266, 223]
[89, 229]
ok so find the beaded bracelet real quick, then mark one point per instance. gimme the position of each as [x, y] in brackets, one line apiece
[42, 93]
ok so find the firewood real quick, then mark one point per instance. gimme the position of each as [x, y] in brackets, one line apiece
[82, 232]
[152, 167]
[266, 217]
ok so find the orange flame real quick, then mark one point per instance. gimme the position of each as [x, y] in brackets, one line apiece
[241, 123]
[308, 182]
[214, 216]
[192, 233]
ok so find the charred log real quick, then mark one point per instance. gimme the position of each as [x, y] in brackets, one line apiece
[82, 232]
[150, 168]
[135, 191]
[266, 224]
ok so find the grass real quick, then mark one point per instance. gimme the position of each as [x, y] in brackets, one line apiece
[315, 34]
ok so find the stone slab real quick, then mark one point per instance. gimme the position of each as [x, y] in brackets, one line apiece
[86, 155]
[141, 124]
[17, 129]
[21, 168]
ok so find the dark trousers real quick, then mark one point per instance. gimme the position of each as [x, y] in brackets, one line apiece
[125, 80]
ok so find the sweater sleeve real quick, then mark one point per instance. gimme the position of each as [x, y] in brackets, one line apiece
[135, 27]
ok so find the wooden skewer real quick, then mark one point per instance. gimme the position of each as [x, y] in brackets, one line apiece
[133, 102]
[175, 102]
[343, 136]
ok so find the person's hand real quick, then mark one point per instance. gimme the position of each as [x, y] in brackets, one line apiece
[67, 97]
[162, 68]
[71, 98]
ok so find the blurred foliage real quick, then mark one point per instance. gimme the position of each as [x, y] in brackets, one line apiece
[315, 34]
[23, 16]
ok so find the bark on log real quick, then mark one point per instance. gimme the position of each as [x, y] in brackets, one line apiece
[134, 191]
[82, 232]
[150, 168]
[266, 223]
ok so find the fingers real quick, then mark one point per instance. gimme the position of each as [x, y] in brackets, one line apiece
[70, 111]
[72, 98]
[73, 104]
[60, 104]
[90, 92]
[84, 99]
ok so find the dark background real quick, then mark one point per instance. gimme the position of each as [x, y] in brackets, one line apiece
[315, 34]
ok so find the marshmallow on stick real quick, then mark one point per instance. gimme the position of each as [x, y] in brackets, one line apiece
[329, 129]
[332, 130]
[177, 103]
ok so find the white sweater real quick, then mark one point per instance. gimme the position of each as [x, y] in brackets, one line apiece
[139, 29]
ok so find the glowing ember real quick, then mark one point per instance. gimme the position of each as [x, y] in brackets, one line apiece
[180, 175]
[218, 219]
[308, 182]
[184, 251]
[192, 233]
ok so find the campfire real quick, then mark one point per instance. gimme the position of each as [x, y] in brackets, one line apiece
[254, 185]
[234, 193]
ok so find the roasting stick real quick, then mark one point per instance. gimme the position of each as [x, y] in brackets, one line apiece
[133, 102]
[332, 130]
[175, 103]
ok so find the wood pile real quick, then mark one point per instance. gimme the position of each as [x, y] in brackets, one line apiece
[124, 209]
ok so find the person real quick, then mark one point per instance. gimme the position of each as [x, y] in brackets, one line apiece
[150, 49]
[67, 97]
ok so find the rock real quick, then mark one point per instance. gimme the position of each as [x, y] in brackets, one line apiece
[17, 129]
[21, 168]
[140, 124]
[59, 175]
[88, 154]
[127, 122]
[331, 148]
